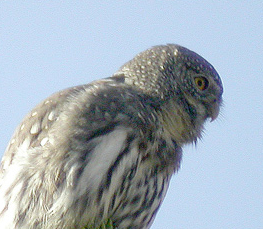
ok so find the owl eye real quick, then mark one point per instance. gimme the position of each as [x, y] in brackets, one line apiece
[201, 82]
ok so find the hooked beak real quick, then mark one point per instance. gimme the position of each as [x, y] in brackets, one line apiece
[213, 110]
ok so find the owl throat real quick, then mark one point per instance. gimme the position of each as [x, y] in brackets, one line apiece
[183, 125]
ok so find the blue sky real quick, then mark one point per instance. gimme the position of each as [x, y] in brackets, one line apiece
[46, 46]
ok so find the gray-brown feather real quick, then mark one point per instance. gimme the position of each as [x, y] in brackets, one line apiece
[107, 150]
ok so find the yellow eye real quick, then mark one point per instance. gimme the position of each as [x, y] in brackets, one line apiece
[201, 82]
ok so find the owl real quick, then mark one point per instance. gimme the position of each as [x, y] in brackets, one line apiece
[106, 151]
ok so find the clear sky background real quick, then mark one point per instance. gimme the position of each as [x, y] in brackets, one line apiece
[46, 46]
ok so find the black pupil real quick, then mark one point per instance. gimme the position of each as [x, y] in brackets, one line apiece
[200, 83]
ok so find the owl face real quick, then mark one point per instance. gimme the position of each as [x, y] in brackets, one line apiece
[200, 83]
[204, 89]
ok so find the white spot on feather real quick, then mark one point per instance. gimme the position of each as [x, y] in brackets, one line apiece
[26, 143]
[35, 128]
[43, 141]
[51, 116]
[34, 114]
[22, 127]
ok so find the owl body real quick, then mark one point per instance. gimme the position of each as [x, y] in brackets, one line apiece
[107, 150]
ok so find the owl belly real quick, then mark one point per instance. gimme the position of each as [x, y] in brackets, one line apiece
[137, 200]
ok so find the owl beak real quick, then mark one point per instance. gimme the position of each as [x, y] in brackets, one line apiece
[213, 110]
